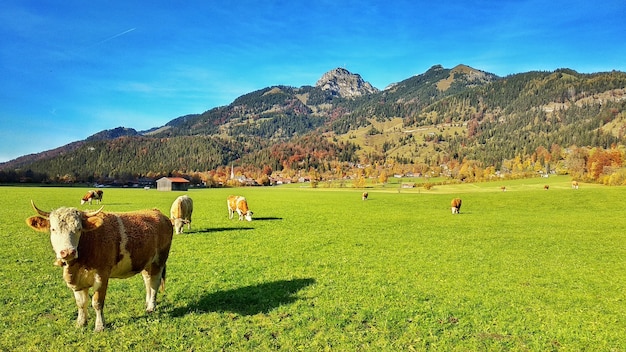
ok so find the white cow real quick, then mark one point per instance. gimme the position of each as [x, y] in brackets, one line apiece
[180, 213]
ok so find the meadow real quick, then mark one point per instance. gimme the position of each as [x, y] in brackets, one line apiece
[320, 269]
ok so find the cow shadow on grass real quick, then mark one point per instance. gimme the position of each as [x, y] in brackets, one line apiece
[267, 218]
[248, 300]
[219, 229]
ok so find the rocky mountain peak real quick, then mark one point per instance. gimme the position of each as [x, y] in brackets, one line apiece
[345, 84]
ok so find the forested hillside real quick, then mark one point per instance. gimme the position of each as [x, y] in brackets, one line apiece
[518, 114]
[462, 123]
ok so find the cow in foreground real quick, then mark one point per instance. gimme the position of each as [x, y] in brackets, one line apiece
[180, 213]
[239, 205]
[95, 246]
[455, 204]
[92, 195]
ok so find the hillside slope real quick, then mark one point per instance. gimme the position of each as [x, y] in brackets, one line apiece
[431, 118]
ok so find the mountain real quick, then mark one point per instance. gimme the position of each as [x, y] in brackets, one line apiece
[440, 117]
[112, 134]
[345, 84]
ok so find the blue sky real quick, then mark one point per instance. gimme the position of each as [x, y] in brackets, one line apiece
[69, 69]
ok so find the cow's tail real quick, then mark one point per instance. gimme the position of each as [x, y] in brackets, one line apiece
[163, 278]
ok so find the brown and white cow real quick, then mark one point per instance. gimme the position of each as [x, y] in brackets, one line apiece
[574, 184]
[180, 213]
[240, 205]
[92, 195]
[95, 246]
[455, 204]
[364, 196]
[546, 187]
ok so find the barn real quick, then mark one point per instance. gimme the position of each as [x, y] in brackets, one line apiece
[172, 184]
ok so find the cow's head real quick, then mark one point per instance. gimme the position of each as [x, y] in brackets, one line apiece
[179, 224]
[65, 226]
[248, 216]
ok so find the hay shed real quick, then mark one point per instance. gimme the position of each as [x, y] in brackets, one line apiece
[172, 184]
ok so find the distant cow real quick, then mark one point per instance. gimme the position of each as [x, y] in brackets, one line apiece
[364, 196]
[95, 194]
[574, 184]
[546, 187]
[503, 188]
[455, 204]
[240, 205]
[95, 246]
[180, 213]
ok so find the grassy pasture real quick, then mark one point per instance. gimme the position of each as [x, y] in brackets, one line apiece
[319, 269]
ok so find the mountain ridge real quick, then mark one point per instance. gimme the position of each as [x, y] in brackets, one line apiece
[460, 112]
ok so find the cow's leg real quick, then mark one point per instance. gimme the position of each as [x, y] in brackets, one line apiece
[230, 213]
[97, 302]
[82, 299]
[152, 281]
[150, 292]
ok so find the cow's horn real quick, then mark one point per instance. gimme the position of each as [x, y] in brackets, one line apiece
[39, 211]
[94, 213]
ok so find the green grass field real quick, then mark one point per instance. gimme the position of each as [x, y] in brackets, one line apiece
[320, 269]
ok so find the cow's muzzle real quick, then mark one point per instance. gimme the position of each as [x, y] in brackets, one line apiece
[68, 255]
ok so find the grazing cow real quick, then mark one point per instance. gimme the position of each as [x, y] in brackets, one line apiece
[455, 204]
[546, 187]
[92, 195]
[95, 246]
[503, 188]
[240, 205]
[364, 196]
[180, 213]
[574, 184]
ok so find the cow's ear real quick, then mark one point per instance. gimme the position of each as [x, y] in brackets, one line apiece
[38, 223]
[91, 223]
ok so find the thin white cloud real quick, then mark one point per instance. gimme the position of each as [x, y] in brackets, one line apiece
[115, 36]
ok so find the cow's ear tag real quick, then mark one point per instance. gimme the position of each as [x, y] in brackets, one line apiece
[92, 223]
